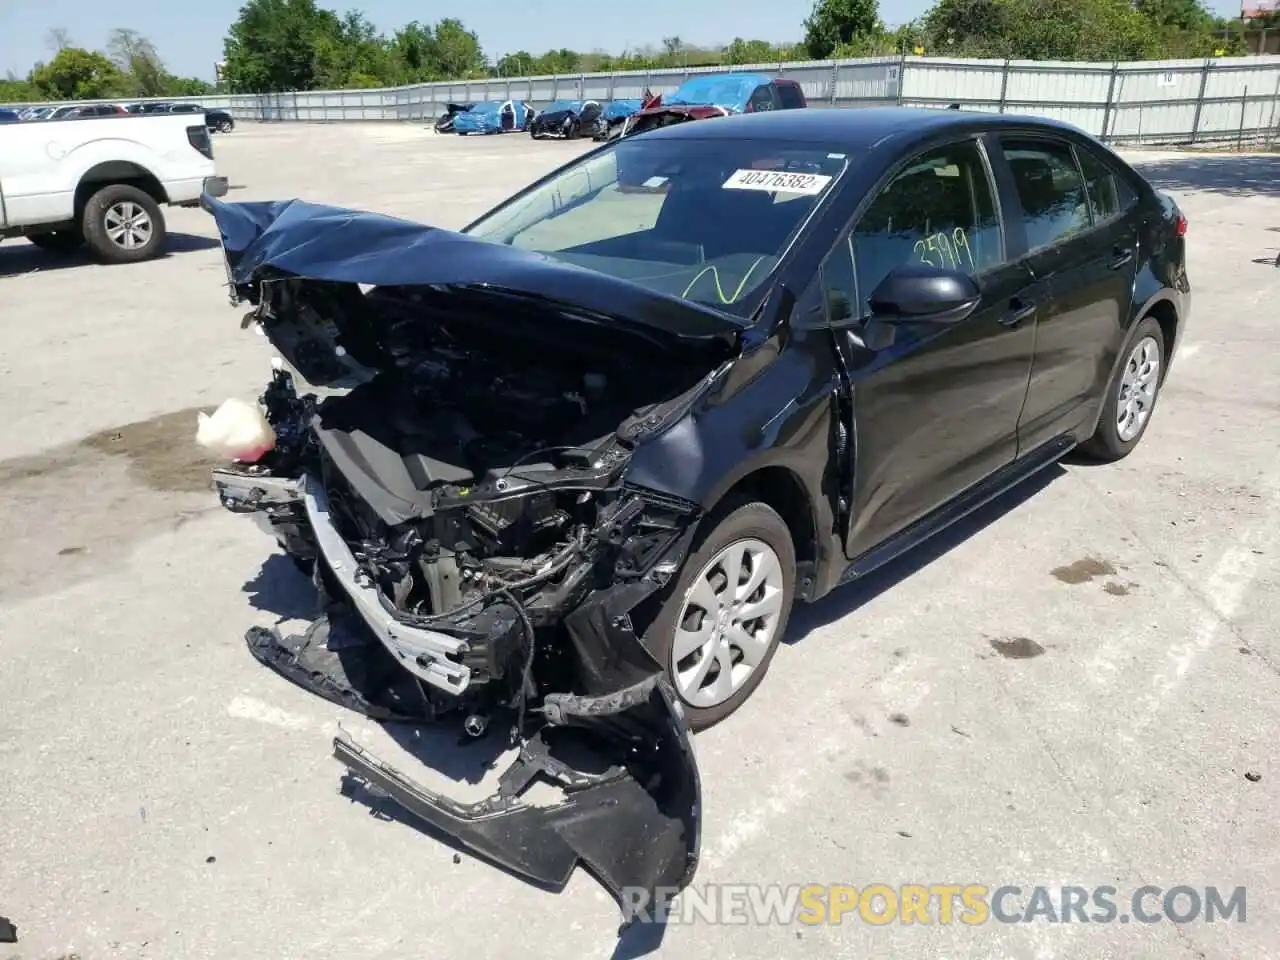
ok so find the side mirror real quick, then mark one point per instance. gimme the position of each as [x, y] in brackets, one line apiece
[920, 293]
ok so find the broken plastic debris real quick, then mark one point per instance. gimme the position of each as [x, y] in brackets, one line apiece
[236, 430]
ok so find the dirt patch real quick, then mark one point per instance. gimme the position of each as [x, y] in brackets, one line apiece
[162, 451]
[1082, 571]
[1017, 648]
[1116, 589]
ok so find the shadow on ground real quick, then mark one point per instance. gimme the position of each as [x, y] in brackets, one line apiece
[1244, 176]
[847, 599]
[21, 256]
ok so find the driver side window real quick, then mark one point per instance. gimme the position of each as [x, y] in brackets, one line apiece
[939, 210]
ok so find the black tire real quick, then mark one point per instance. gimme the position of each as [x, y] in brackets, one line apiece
[226, 126]
[59, 241]
[734, 521]
[1106, 444]
[575, 129]
[96, 235]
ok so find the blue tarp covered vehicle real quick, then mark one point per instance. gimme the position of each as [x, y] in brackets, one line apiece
[718, 95]
[729, 91]
[494, 116]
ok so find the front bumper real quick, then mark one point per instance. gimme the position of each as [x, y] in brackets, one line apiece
[429, 655]
[630, 811]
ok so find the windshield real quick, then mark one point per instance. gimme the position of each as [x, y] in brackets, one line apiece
[557, 106]
[702, 220]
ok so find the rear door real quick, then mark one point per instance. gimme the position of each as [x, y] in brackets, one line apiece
[937, 411]
[1081, 225]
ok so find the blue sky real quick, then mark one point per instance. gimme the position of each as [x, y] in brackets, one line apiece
[189, 36]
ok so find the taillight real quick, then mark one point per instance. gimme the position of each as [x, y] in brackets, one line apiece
[199, 138]
[1180, 225]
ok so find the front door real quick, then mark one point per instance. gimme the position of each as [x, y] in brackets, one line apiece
[1081, 239]
[936, 411]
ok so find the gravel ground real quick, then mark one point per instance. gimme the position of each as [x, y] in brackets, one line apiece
[1068, 690]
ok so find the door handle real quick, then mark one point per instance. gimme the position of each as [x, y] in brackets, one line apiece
[1121, 256]
[1018, 311]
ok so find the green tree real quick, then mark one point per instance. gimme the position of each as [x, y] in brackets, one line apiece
[840, 23]
[750, 51]
[1188, 15]
[77, 74]
[457, 50]
[272, 45]
[518, 64]
[413, 52]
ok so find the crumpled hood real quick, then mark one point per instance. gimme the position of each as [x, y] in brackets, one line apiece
[320, 242]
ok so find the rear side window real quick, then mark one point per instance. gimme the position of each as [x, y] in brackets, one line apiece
[790, 97]
[1055, 206]
[761, 99]
[940, 210]
[1110, 195]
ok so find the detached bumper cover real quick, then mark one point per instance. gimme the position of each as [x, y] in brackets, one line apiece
[633, 826]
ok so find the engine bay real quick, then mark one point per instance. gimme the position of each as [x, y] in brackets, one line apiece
[469, 465]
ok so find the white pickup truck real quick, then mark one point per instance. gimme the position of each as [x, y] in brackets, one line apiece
[100, 182]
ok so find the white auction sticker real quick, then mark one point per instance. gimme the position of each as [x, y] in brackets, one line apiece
[808, 184]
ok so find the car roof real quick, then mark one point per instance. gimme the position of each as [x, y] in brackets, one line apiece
[855, 128]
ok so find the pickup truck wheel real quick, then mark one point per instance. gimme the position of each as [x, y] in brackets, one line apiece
[123, 225]
[58, 241]
[721, 622]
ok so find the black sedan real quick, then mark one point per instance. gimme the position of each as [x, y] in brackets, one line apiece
[566, 120]
[603, 439]
[216, 120]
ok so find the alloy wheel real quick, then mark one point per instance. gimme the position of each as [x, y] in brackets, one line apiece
[128, 225]
[1138, 387]
[727, 624]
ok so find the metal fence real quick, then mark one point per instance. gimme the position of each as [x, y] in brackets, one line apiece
[1147, 102]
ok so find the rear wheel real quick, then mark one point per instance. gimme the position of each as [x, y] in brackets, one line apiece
[1131, 395]
[225, 126]
[59, 241]
[722, 618]
[123, 225]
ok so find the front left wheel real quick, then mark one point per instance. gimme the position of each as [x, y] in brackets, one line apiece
[722, 619]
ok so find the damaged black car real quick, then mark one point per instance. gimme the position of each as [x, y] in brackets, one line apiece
[564, 473]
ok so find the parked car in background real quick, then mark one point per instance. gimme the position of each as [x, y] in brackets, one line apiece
[96, 110]
[494, 116]
[9, 116]
[444, 124]
[57, 113]
[718, 95]
[105, 186]
[565, 119]
[615, 115]
[35, 113]
[214, 119]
